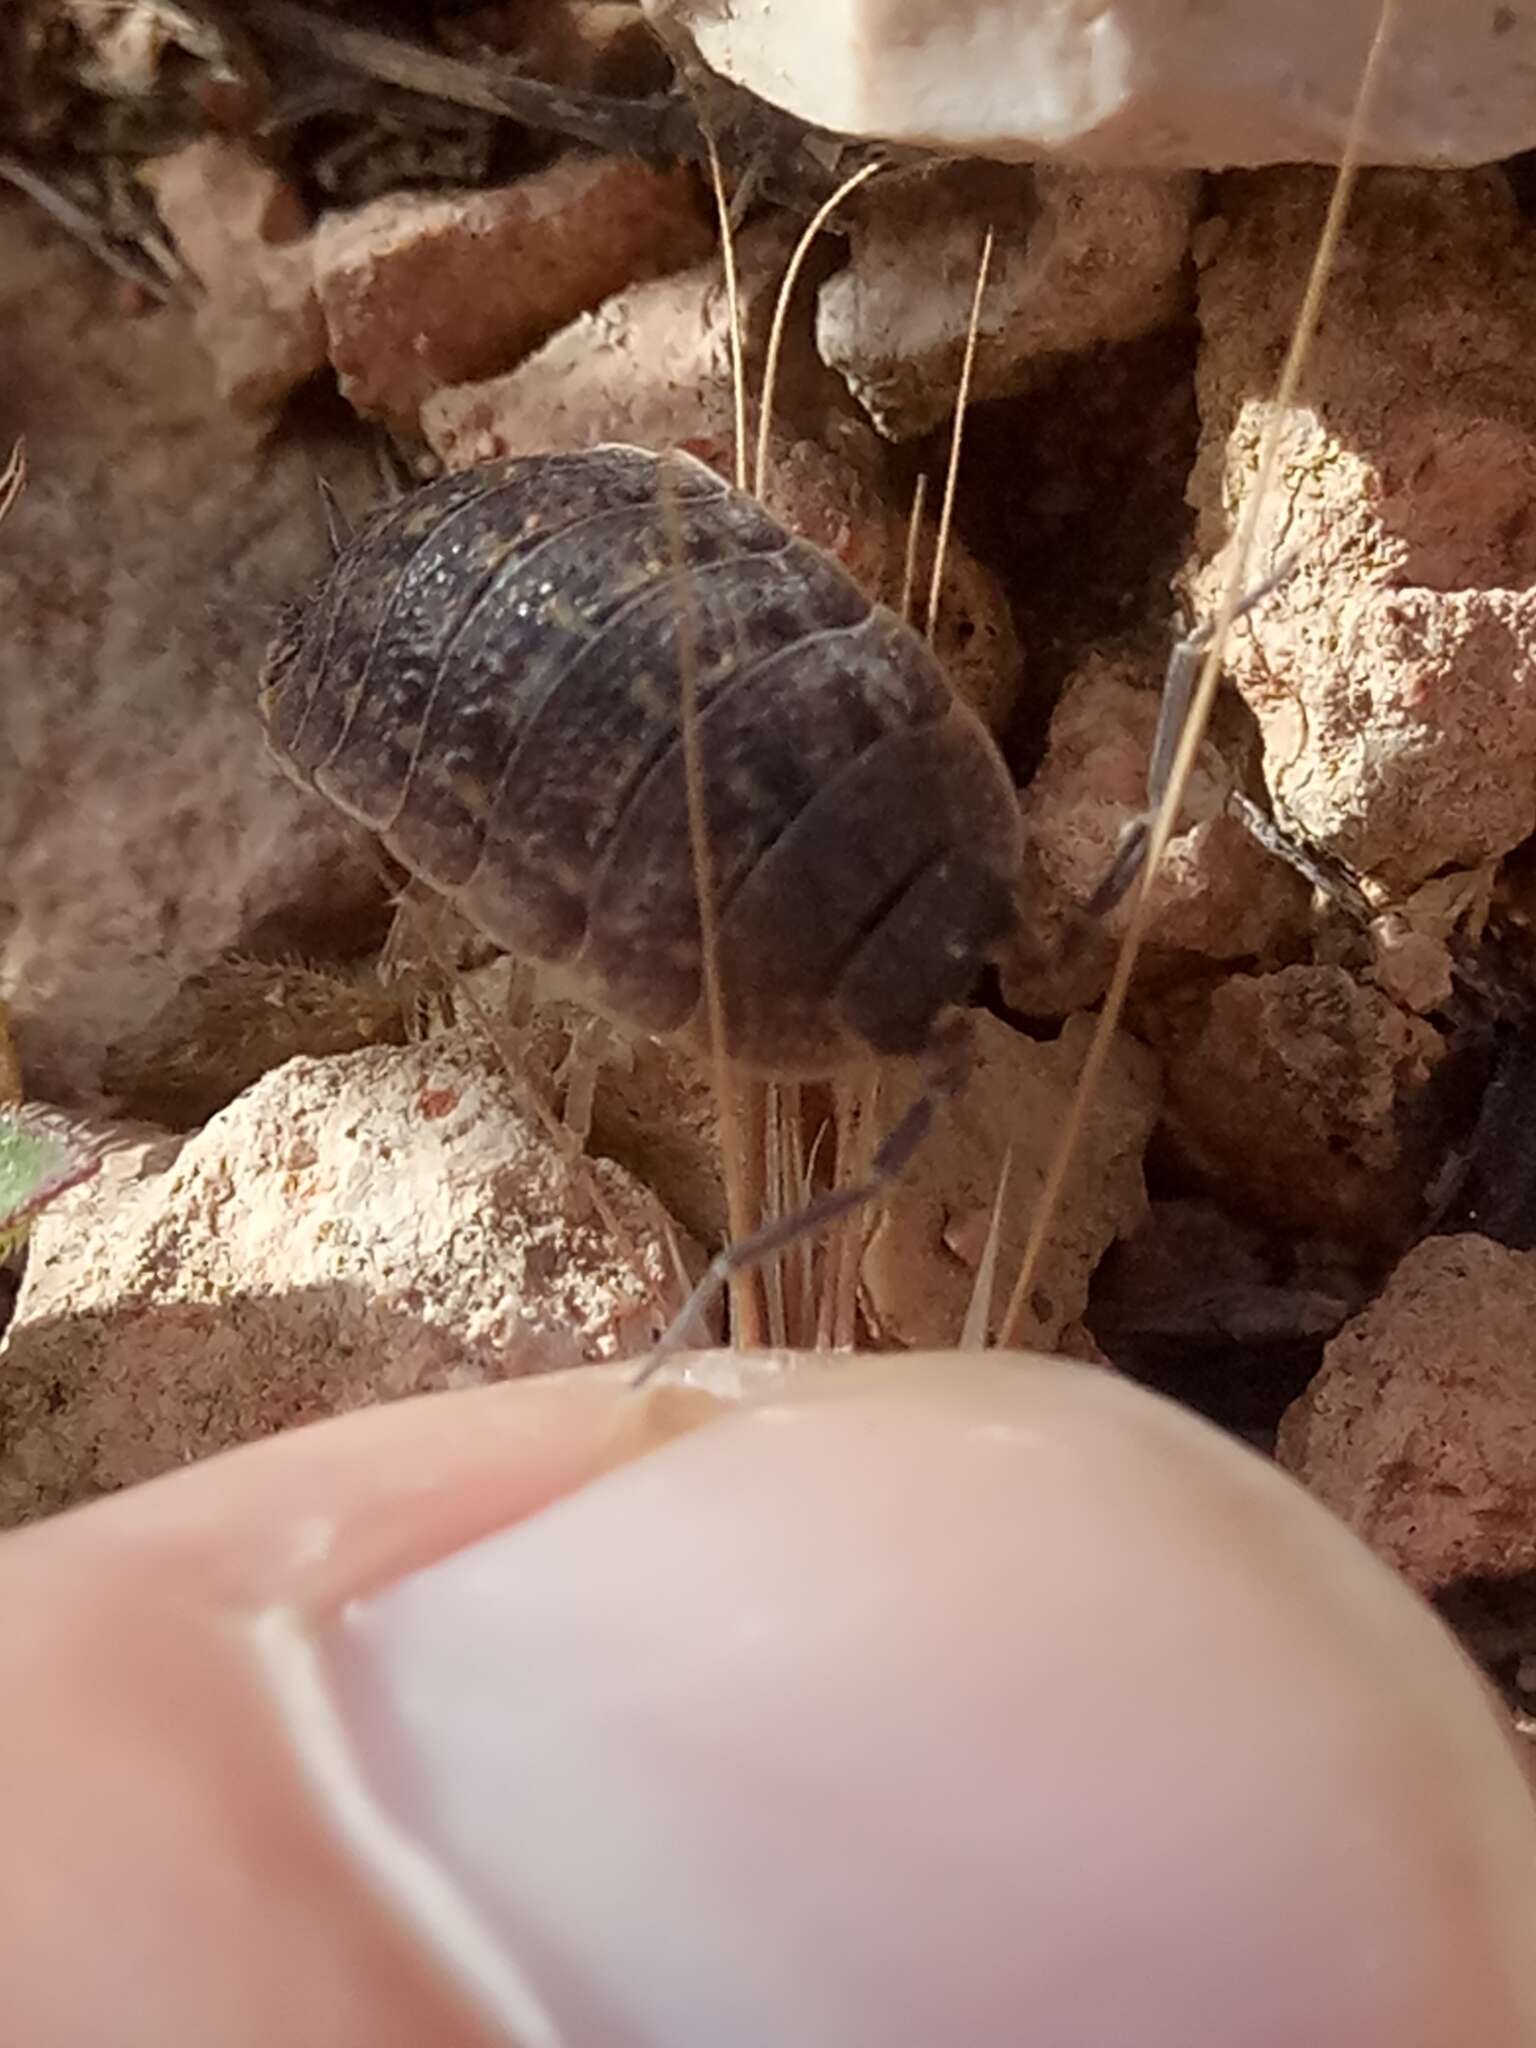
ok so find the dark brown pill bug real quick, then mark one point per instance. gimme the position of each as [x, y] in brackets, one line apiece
[490, 678]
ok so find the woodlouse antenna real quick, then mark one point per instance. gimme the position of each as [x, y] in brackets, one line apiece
[740, 1179]
[957, 438]
[1232, 599]
[338, 527]
[791, 277]
[733, 311]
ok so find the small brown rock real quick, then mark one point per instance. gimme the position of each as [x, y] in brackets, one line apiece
[650, 367]
[1393, 674]
[419, 292]
[1420, 1431]
[1217, 896]
[920, 1268]
[1080, 258]
[241, 228]
[1292, 1090]
[349, 1231]
[1413, 967]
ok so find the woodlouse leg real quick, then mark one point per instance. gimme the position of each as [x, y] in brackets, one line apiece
[338, 526]
[1327, 876]
[947, 1063]
[1179, 682]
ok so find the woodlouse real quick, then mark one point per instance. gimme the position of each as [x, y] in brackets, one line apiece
[491, 677]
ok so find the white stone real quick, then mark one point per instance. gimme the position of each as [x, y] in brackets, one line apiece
[1171, 83]
[349, 1230]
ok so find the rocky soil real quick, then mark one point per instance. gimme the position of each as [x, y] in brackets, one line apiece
[365, 1159]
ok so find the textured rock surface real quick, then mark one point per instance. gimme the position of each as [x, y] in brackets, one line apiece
[1079, 258]
[350, 1230]
[1218, 895]
[142, 831]
[1394, 674]
[1420, 1431]
[1293, 1091]
[920, 1267]
[241, 229]
[1170, 82]
[423, 291]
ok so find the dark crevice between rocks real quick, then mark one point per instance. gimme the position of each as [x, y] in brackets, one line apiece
[1494, 1619]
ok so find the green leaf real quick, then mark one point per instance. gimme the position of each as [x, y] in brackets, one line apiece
[42, 1152]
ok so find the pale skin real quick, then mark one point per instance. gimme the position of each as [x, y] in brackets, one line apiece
[1064, 1720]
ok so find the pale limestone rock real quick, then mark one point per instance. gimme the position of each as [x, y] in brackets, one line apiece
[419, 291]
[1172, 83]
[143, 832]
[1217, 895]
[920, 1267]
[242, 230]
[1079, 258]
[350, 1230]
[1393, 674]
[1420, 1430]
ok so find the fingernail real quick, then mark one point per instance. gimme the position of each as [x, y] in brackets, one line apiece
[963, 1713]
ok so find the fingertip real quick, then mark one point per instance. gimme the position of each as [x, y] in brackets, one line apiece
[941, 1701]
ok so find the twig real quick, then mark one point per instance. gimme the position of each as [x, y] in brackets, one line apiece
[661, 125]
[81, 225]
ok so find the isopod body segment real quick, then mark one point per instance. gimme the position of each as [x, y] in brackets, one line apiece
[491, 679]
